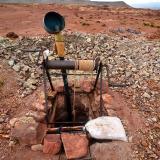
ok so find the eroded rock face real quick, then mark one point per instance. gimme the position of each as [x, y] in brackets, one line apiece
[25, 130]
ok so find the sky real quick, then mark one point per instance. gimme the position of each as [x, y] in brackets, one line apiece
[131, 1]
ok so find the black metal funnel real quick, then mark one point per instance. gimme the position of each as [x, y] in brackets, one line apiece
[53, 22]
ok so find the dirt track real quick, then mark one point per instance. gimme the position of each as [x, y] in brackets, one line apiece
[27, 19]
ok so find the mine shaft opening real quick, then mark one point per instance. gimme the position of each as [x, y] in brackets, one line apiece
[80, 110]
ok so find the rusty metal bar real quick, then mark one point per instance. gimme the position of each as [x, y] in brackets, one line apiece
[67, 122]
[59, 64]
[65, 129]
[77, 74]
[66, 64]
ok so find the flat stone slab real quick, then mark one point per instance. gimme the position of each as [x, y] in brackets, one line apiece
[75, 145]
[52, 144]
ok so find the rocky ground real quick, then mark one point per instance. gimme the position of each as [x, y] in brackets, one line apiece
[26, 19]
[133, 61]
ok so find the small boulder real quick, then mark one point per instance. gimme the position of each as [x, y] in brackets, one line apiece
[11, 62]
[52, 144]
[25, 130]
[12, 35]
[75, 145]
[16, 67]
[37, 147]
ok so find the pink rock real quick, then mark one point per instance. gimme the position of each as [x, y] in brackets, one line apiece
[52, 144]
[25, 130]
[75, 145]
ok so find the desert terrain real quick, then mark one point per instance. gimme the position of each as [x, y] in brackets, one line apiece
[128, 41]
[27, 19]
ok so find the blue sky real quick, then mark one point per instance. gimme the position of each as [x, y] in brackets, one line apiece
[131, 1]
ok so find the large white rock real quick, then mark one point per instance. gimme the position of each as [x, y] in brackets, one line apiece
[106, 127]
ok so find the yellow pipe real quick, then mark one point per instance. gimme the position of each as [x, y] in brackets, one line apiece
[59, 45]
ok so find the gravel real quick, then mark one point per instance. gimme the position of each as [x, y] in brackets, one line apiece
[1, 120]
[135, 61]
[11, 62]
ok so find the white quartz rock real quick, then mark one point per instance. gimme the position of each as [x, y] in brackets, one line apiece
[106, 127]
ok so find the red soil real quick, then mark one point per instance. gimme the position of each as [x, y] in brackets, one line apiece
[27, 19]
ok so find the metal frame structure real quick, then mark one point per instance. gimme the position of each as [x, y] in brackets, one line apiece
[69, 122]
[67, 92]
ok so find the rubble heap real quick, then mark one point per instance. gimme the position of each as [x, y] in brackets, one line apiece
[31, 129]
[133, 60]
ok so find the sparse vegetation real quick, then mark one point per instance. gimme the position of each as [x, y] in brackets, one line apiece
[148, 24]
[1, 83]
[84, 24]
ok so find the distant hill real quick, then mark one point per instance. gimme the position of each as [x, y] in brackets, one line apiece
[110, 4]
[82, 2]
[151, 5]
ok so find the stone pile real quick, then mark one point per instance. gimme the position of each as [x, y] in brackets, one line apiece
[136, 61]
[31, 129]
[127, 59]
